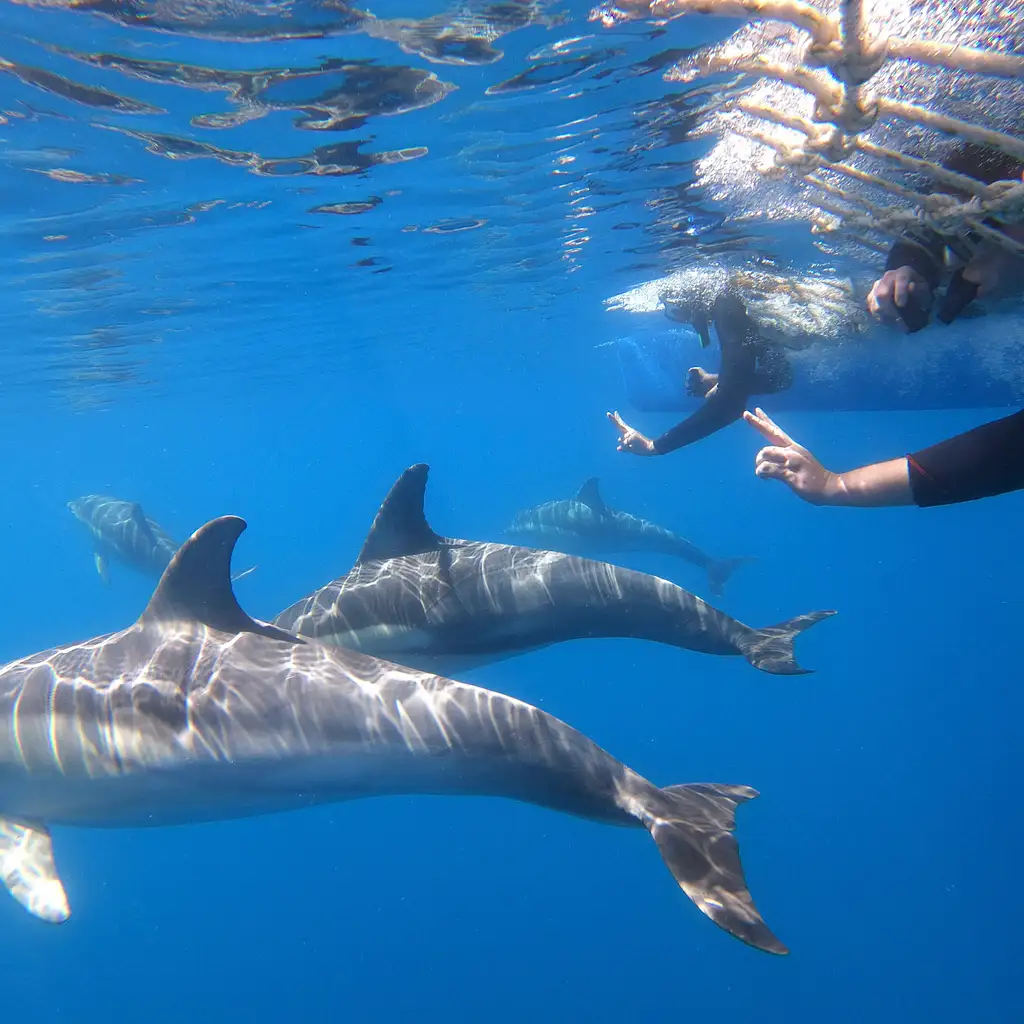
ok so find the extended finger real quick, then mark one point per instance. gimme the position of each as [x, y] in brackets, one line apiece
[780, 434]
[617, 420]
[767, 427]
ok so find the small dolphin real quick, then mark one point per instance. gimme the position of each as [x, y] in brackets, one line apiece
[443, 604]
[121, 530]
[198, 713]
[585, 525]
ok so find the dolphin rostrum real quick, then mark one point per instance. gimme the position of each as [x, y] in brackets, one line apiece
[443, 604]
[121, 530]
[198, 712]
[585, 525]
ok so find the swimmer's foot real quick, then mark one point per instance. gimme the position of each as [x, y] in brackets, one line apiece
[700, 383]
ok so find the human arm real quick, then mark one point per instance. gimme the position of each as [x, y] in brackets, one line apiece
[884, 483]
[717, 411]
[724, 402]
[979, 463]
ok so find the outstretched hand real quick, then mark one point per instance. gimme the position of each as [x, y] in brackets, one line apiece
[791, 463]
[631, 440]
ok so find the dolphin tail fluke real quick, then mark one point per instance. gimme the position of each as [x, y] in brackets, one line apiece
[693, 827]
[771, 649]
[721, 569]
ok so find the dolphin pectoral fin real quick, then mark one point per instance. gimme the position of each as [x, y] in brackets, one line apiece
[101, 567]
[771, 649]
[693, 826]
[28, 871]
[721, 569]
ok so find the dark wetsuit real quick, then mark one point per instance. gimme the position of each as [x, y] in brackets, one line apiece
[750, 366]
[924, 249]
[980, 463]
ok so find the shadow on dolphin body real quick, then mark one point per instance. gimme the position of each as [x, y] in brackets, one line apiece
[197, 712]
[448, 605]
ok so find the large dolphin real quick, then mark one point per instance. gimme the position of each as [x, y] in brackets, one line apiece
[121, 530]
[446, 605]
[198, 712]
[585, 525]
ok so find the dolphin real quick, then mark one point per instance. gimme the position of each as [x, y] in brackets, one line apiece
[197, 712]
[121, 530]
[585, 525]
[447, 605]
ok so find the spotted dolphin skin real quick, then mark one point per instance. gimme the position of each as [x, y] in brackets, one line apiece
[121, 530]
[447, 605]
[198, 712]
[585, 525]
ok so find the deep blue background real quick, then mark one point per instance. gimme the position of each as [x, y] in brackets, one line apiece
[279, 382]
[883, 850]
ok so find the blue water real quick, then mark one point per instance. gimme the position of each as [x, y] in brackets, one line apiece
[241, 362]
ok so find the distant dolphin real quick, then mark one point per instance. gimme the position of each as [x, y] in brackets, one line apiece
[198, 713]
[121, 530]
[585, 525]
[443, 604]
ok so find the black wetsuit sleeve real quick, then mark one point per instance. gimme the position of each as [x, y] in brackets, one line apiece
[716, 412]
[924, 254]
[980, 463]
[737, 339]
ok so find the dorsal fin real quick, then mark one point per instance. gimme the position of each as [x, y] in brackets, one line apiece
[590, 494]
[196, 586]
[138, 517]
[400, 527]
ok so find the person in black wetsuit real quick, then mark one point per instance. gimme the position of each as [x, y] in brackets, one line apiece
[979, 463]
[917, 263]
[750, 366]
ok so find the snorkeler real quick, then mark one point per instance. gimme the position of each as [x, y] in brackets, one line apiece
[750, 366]
[918, 262]
[979, 463]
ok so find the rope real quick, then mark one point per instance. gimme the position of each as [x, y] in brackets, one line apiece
[836, 62]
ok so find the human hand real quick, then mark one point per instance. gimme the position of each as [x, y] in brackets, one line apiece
[700, 383]
[791, 463]
[631, 440]
[891, 292]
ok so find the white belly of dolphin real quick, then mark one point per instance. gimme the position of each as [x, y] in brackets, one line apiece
[422, 649]
[213, 791]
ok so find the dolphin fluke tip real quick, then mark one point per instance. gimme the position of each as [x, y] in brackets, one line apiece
[720, 570]
[771, 649]
[693, 826]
